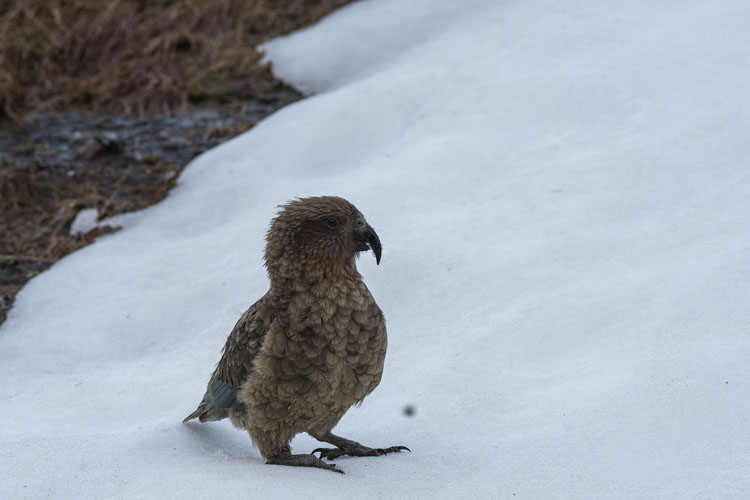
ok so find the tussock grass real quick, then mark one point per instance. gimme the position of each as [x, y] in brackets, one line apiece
[139, 56]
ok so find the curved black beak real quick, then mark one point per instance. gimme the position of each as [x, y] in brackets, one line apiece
[368, 239]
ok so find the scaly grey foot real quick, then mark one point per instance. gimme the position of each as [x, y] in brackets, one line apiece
[303, 460]
[352, 448]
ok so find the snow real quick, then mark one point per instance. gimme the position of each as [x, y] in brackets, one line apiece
[85, 221]
[562, 193]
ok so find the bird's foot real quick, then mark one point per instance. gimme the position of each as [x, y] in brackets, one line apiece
[357, 451]
[303, 460]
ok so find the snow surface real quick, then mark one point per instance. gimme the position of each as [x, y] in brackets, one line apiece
[562, 190]
[85, 221]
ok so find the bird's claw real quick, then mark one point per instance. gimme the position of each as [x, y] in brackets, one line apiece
[334, 453]
[396, 449]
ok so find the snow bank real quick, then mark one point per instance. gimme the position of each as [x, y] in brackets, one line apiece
[562, 192]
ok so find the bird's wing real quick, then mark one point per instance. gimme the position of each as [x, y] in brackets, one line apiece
[241, 348]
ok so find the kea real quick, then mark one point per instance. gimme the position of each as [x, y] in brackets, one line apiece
[312, 346]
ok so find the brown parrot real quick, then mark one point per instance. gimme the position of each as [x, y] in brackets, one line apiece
[312, 346]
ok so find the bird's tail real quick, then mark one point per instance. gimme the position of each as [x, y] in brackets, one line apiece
[206, 414]
[219, 398]
[197, 413]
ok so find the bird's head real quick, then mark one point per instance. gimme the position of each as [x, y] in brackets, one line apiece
[318, 235]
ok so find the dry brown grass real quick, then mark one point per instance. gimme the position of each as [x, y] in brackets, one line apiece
[43, 211]
[139, 56]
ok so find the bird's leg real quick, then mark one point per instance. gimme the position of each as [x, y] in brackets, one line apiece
[303, 460]
[352, 448]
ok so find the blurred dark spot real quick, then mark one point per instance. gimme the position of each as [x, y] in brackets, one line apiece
[409, 410]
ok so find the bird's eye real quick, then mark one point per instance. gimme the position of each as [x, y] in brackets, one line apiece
[332, 222]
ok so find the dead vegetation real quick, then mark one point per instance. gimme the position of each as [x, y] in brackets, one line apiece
[87, 88]
[139, 56]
